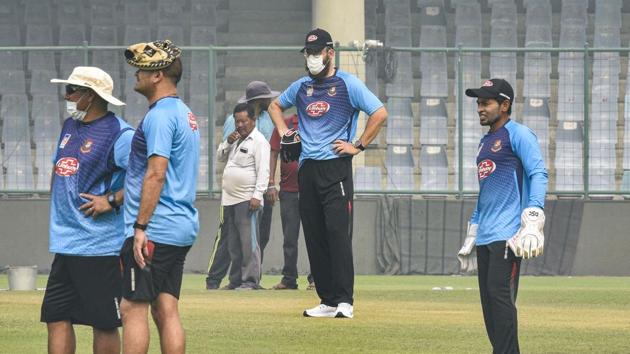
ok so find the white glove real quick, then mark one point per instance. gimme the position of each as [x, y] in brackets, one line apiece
[467, 255]
[529, 241]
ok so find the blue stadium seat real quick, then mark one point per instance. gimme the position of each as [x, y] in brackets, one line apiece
[433, 64]
[571, 96]
[367, 178]
[537, 65]
[433, 121]
[434, 168]
[503, 64]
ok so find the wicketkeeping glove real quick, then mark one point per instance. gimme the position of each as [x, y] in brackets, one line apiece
[467, 255]
[290, 146]
[529, 241]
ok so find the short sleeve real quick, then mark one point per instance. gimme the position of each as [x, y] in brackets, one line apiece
[122, 148]
[159, 130]
[361, 97]
[287, 98]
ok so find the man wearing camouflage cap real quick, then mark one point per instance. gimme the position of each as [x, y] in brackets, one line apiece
[160, 217]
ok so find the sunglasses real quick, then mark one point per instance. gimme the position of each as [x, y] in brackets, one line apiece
[314, 51]
[71, 89]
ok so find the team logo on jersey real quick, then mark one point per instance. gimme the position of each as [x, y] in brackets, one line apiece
[485, 168]
[66, 166]
[317, 109]
[497, 146]
[309, 91]
[64, 141]
[192, 121]
[311, 38]
[87, 146]
[332, 91]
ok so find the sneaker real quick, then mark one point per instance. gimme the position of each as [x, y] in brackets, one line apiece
[212, 287]
[320, 310]
[344, 310]
[228, 287]
[245, 288]
[311, 286]
[282, 286]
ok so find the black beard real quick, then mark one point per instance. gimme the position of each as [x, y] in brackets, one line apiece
[322, 74]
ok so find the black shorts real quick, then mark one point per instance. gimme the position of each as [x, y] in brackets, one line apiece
[83, 290]
[163, 274]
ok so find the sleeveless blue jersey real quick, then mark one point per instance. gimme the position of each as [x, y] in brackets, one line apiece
[512, 177]
[169, 129]
[90, 158]
[327, 111]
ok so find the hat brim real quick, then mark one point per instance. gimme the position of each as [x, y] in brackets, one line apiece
[314, 47]
[107, 97]
[480, 92]
[272, 94]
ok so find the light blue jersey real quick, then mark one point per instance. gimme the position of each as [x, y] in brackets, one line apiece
[91, 158]
[169, 129]
[264, 124]
[512, 177]
[328, 110]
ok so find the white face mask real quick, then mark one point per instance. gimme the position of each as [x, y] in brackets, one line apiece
[315, 64]
[76, 114]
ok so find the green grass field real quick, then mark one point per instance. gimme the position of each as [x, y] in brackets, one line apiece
[393, 314]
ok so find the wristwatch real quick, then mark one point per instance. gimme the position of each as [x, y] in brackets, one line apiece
[359, 145]
[111, 199]
[139, 226]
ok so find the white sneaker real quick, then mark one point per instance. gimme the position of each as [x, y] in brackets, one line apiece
[320, 310]
[344, 310]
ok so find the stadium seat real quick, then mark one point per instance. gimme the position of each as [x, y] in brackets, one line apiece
[10, 36]
[467, 14]
[400, 121]
[17, 165]
[203, 14]
[608, 14]
[397, 14]
[40, 35]
[12, 82]
[568, 162]
[469, 36]
[201, 36]
[536, 116]
[170, 13]
[9, 12]
[45, 117]
[37, 12]
[136, 34]
[69, 12]
[173, 32]
[574, 12]
[400, 167]
[432, 12]
[538, 14]
[537, 65]
[571, 96]
[503, 64]
[102, 13]
[433, 121]
[133, 10]
[434, 168]
[503, 14]
[367, 178]
[40, 82]
[71, 35]
[108, 60]
[602, 163]
[433, 64]
[572, 36]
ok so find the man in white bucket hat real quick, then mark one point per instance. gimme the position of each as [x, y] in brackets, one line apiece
[86, 225]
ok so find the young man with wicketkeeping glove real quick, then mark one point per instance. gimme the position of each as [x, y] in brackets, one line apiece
[508, 221]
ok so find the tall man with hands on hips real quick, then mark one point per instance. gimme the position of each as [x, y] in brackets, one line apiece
[507, 223]
[328, 102]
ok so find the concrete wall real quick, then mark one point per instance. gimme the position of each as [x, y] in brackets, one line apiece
[602, 248]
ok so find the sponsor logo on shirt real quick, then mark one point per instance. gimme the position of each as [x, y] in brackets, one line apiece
[66, 166]
[192, 121]
[485, 168]
[87, 146]
[64, 141]
[496, 146]
[332, 91]
[317, 109]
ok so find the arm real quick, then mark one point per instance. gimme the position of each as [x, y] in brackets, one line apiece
[372, 128]
[525, 145]
[275, 111]
[223, 151]
[272, 192]
[152, 186]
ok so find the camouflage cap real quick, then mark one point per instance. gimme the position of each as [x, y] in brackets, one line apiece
[155, 55]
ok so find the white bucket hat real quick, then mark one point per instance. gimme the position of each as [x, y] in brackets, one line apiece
[93, 78]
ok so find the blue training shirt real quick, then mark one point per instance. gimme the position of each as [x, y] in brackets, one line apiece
[90, 158]
[327, 111]
[512, 177]
[169, 129]
[264, 124]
